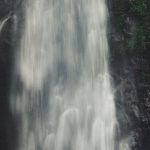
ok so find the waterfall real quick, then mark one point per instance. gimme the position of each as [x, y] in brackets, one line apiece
[62, 95]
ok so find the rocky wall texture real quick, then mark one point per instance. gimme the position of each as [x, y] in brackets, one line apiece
[129, 39]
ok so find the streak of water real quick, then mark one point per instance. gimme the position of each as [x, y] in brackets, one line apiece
[2, 23]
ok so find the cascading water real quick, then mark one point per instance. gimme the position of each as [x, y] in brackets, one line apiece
[65, 99]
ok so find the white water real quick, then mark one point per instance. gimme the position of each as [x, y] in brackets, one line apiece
[65, 101]
[2, 23]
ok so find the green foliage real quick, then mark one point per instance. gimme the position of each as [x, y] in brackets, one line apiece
[139, 11]
[130, 44]
[138, 7]
[119, 11]
[140, 39]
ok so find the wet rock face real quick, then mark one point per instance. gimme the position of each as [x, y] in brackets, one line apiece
[126, 104]
[142, 77]
[132, 81]
[8, 129]
[6, 7]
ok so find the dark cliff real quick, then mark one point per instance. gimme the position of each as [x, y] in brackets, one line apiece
[129, 39]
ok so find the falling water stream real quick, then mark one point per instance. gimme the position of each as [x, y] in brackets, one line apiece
[64, 100]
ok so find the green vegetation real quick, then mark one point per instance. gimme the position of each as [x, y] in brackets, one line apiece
[132, 21]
